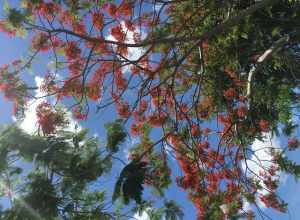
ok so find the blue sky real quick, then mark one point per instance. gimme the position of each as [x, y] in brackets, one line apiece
[13, 48]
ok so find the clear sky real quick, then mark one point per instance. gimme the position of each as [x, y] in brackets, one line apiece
[13, 48]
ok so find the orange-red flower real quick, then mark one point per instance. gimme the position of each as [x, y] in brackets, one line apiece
[98, 20]
[230, 94]
[264, 125]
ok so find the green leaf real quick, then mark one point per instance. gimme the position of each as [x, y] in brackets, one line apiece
[173, 211]
[244, 35]
[15, 17]
[288, 166]
[21, 32]
[116, 135]
[6, 6]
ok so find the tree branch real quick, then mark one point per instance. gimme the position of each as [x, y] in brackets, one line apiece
[206, 35]
[274, 48]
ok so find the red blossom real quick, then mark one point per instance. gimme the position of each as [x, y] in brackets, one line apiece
[72, 51]
[157, 119]
[292, 143]
[6, 29]
[205, 44]
[94, 90]
[136, 129]
[48, 10]
[230, 94]
[120, 81]
[271, 200]
[79, 114]
[79, 28]
[66, 18]
[98, 20]
[118, 33]
[125, 9]
[129, 25]
[264, 125]
[242, 111]
[242, 98]
[206, 131]
[143, 105]
[48, 118]
[123, 109]
[195, 130]
[203, 145]
[41, 42]
[112, 10]
[183, 112]
[135, 70]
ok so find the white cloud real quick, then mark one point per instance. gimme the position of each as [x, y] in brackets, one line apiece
[29, 123]
[158, 6]
[261, 158]
[72, 123]
[144, 216]
[261, 153]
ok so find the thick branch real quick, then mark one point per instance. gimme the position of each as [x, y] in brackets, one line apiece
[275, 47]
[206, 35]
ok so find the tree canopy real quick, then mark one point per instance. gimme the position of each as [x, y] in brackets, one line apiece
[194, 80]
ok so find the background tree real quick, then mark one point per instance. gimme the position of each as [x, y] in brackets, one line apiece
[169, 68]
[55, 177]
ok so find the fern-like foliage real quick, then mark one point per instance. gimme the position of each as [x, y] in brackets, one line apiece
[116, 135]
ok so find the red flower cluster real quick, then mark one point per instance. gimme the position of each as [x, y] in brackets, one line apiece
[129, 25]
[139, 114]
[48, 85]
[293, 144]
[9, 86]
[271, 200]
[41, 42]
[47, 118]
[9, 90]
[94, 90]
[79, 28]
[230, 94]
[75, 67]
[5, 29]
[79, 113]
[195, 131]
[125, 9]
[135, 70]
[71, 87]
[98, 20]
[123, 109]
[119, 80]
[157, 119]
[111, 10]
[72, 51]
[264, 125]
[183, 112]
[136, 129]
[242, 111]
[118, 33]
[66, 18]
[48, 10]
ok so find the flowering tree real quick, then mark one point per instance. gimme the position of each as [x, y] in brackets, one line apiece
[206, 77]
